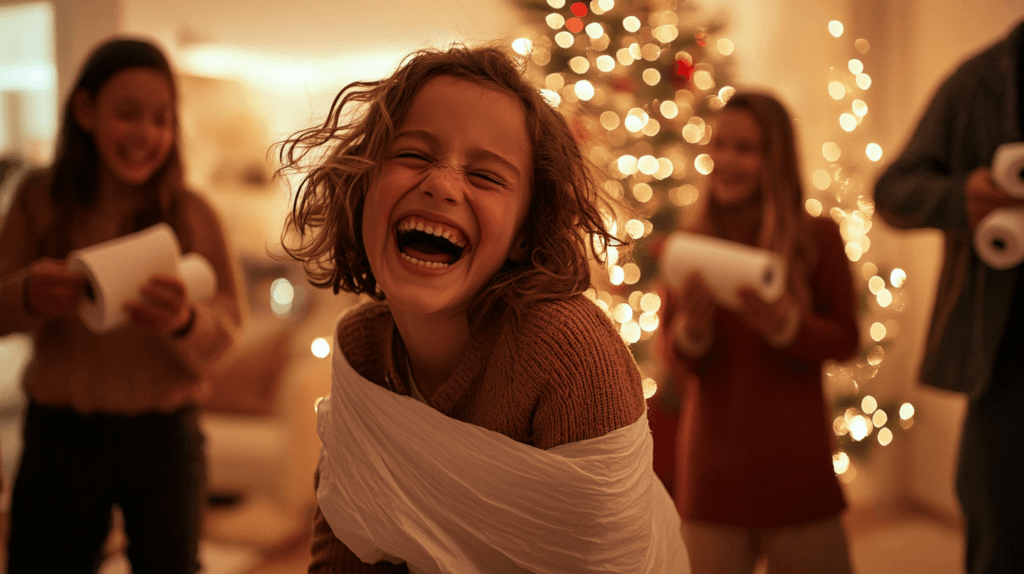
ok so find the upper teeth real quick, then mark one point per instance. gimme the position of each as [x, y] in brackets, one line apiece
[432, 228]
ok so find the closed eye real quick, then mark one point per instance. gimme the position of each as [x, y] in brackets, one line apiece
[488, 177]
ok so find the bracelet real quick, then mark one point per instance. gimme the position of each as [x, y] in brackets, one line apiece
[184, 329]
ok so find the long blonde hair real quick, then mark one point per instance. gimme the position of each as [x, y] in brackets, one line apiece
[785, 228]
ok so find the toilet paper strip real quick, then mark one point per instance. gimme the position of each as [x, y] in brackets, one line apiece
[725, 266]
[999, 238]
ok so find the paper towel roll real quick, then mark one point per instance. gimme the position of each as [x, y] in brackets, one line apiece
[115, 269]
[725, 266]
[999, 238]
[199, 276]
[1008, 168]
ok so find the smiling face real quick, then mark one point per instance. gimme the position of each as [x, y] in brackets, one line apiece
[447, 209]
[737, 151]
[131, 120]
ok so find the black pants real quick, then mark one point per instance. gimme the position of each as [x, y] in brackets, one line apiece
[75, 467]
[990, 480]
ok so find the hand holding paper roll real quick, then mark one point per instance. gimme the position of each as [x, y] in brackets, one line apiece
[725, 266]
[146, 271]
[999, 236]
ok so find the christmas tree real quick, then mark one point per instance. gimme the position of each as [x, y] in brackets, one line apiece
[637, 80]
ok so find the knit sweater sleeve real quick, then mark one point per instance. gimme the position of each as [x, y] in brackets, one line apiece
[216, 322]
[591, 384]
[19, 247]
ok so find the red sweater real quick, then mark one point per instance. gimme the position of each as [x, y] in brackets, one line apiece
[754, 444]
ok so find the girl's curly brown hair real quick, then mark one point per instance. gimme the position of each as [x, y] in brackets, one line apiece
[565, 227]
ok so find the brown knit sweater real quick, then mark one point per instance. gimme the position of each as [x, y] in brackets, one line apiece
[129, 370]
[561, 374]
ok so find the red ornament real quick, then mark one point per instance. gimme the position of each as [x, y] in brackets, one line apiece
[702, 39]
[684, 68]
[574, 25]
[579, 9]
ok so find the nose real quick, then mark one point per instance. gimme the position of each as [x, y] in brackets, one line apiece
[445, 183]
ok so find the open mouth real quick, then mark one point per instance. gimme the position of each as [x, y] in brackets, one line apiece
[429, 244]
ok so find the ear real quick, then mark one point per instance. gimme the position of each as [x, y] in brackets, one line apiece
[520, 249]
[84, 111]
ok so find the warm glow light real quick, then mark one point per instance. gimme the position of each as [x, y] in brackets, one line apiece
[630, 332]
[854, 251]
[876, 284]
[725, 46]
[634, 228]
[835, 27]
[609, 120]
[631, 23]
[879, 419]
[884, 437]
[906, 411]
[884, 298]
[868, 404]
[650, 387]
[627, 163]
[555, 21]
[855, 66]
[704, 163]
[556, 4]
[831, 152]
[877, 331]
[837, 90]
[579, 64]
[624, 57]
[615, 275]
[863, 81]
[860, 108]
[606, 5]
[703, 80]
[522, 46]
[643, 192]
[630, 273]
[840, 462]
[551, 97]
[594, 30]
[666, 34]
[862, 45]
[813, 207]
[898, 277]
[726, 92]
[584, 90]
[650, 302]
[875, 356]
[565, 39]
[651, 76]
[848, 122]
[605, 63]
[320, 347]
[874, 151]
[669, 109]
[860, 427]
[868, 270]
[648, 164]
[622, 313]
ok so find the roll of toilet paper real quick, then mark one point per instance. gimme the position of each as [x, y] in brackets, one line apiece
[198, 275]
[725, 266]
[116, 269]
[999, 238]
[1008, 168]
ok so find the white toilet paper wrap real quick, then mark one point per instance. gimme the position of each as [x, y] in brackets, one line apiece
[725, 266]
[1008, 168]
[117, 269]
[999, 238]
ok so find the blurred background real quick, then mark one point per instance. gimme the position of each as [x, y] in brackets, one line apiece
[252, 72]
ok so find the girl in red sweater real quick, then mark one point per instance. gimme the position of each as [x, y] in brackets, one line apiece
[754, 471]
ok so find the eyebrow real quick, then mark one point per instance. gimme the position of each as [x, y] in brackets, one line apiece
[479, 153]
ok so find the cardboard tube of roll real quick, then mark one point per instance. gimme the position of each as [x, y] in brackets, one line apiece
[1008, 168]
[115, 271]
[725, 266]
[999, 238]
